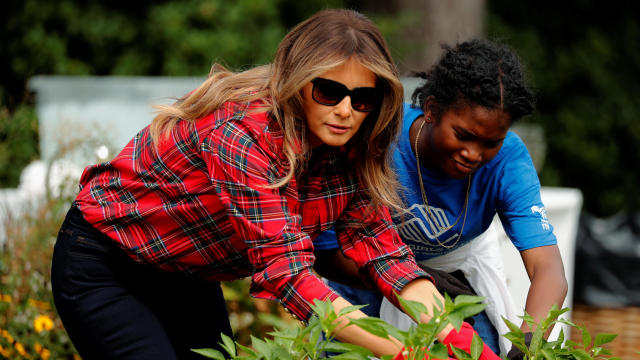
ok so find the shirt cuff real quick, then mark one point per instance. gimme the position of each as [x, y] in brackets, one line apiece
[298, 295]
[392, 275]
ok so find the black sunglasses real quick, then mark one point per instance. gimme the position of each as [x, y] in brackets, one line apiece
[328, 92]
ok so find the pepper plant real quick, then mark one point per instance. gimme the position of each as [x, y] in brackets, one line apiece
[316, 339]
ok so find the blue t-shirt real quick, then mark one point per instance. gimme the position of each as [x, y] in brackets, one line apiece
[508, 185]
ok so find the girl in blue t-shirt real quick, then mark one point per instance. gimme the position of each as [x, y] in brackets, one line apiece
[460, 166]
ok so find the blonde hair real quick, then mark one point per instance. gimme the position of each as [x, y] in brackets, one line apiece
[326, 40]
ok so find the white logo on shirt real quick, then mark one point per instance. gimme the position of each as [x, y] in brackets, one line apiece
[414, 229]
[544, 221]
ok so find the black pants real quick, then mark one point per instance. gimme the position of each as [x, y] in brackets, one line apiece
[115, 308]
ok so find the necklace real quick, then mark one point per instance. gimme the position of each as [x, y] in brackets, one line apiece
[432, 218]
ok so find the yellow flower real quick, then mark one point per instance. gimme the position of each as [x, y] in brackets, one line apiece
[4, 352]
[43, 323]
[76, 357]
[20, 349]
[5, 298]
[7, 336]
[45, 354]
[39, 304]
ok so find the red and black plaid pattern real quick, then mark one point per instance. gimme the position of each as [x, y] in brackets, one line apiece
[199, 203]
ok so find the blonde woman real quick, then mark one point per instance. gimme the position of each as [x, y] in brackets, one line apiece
[234, 180]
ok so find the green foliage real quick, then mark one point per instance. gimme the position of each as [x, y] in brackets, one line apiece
[584, 58]
[29, 327]
[316, 339]
[540, 348]
[296, 342]
[18, 143]
[71, 37]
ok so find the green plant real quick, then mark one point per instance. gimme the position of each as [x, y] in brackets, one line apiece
[29, 326]
[540, 348]
[316, 339]
[18, 142]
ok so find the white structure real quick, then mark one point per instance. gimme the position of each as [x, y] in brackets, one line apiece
[86, 118]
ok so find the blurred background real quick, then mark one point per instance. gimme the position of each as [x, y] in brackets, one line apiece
[582, 57]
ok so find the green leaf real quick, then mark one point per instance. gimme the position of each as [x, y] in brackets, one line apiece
[412, 308]
[340, 347]
[536, 340]
[586, 338]
[569, 323]
[513, 327]
[460, 354]
[438, 302]
[323, 309]
[438, 351]
[281, 353]
[561, 336]
[553, 314]
[456, 320]
[261, 346]
[581, 354]
[468, 299]
[247, 349]
[603, 339]
[372, 325]
[209, 353]
[448, 303]
[528, 319]
[571, 343]
[228, 345]
[516, 339]
[604, 351]
[466, 311]
[548, 354]
[351, 356]
[350, 309]
[477, 346]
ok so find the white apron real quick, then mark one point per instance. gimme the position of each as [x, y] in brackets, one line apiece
[481, 263]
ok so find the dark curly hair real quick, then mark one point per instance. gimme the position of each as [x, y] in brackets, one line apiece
[477, 72]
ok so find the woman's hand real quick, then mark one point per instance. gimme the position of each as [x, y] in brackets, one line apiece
[355, 335]
[423, 290]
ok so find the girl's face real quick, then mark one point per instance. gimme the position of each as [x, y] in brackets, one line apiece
[335, 124]
[463, 140]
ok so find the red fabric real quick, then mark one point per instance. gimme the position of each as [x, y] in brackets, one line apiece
[200, 204]
[462, 340]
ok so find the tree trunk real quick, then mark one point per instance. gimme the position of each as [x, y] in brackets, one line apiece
[445, 22]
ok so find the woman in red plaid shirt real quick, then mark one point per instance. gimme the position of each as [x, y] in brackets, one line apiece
[234, 180]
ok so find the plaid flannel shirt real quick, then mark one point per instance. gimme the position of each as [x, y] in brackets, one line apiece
[200, 204]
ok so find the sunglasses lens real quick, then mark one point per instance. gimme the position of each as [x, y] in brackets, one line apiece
[327, 92]
[365, 99]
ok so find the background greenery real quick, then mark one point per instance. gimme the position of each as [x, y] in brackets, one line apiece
[583, 56]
